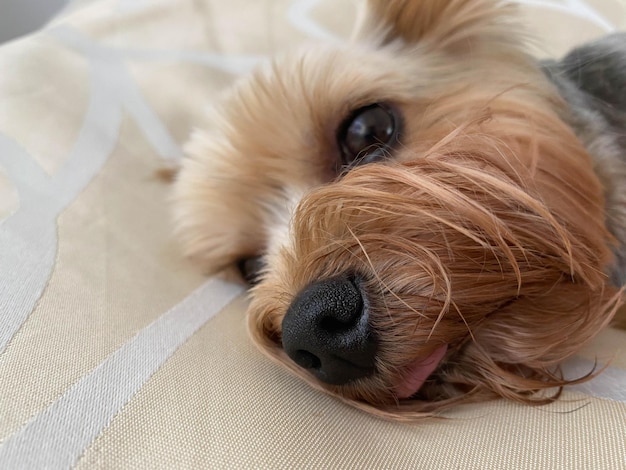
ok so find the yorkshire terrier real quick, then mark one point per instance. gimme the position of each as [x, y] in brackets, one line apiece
[430, 215]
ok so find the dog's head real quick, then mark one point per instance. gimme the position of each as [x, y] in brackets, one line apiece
[430, 230]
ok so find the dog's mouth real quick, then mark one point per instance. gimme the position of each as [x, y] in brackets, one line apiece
[326, 331]
[418, 372]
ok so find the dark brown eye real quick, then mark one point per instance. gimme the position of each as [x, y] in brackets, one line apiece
[251, 269]
[367, 135]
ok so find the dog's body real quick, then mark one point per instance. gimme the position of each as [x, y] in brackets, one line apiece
[592, 79]
[431, 227]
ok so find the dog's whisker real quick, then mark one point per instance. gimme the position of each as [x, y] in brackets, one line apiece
[374, 271]
[465, 322]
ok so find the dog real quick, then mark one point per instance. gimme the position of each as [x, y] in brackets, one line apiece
[429, 215]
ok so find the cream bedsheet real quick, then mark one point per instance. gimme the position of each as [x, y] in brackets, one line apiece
[117, 353]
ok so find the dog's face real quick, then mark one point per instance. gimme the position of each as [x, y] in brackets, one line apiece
[430, 231]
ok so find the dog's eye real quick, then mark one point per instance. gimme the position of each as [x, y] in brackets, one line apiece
[251, 268]
[366, 136]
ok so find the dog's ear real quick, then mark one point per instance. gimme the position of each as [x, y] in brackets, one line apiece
[445, 24]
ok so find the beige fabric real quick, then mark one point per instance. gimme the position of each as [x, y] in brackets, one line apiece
[117, 353]
[107, 284]
[558, 25]
[246, 413]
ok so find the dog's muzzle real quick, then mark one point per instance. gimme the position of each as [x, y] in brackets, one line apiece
[326, 331]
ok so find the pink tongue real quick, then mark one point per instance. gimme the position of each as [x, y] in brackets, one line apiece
[417, 373]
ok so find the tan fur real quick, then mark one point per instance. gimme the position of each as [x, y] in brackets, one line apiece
[486, 232]
[449, 24]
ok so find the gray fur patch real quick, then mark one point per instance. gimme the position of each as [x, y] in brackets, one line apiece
[592, 79]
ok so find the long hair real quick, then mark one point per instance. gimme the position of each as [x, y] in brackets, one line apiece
[492, 241]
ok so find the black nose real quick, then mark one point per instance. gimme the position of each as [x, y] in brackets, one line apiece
[326, 331]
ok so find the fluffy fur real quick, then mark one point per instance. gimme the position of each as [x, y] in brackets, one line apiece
[490, 229]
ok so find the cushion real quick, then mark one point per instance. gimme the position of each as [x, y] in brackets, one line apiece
[116, 352]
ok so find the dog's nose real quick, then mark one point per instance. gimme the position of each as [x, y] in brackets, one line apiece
[326, 330]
